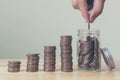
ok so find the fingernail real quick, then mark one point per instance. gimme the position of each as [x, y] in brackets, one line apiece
[91, 19]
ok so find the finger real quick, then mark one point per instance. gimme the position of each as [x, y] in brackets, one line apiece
[75, 4]
[84, 9]
[96, 10]
[93, 16]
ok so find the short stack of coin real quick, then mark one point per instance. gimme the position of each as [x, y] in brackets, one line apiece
[32, 62]
[14, 66]
[49, 58]
[66, 54]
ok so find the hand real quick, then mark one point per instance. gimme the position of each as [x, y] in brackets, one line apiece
[90, 9]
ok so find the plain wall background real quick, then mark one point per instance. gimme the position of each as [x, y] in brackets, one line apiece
[26, 26]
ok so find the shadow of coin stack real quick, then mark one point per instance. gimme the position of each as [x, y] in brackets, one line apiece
[49, 58]
[32, 62]
[66, 54]
[14, 66]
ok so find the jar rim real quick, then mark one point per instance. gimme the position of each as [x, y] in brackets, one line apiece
[86, 31]
[91, 30]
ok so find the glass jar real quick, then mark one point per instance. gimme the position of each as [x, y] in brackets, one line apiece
[88, 50]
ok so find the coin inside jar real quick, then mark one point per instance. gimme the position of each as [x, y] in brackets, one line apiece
[89, 53]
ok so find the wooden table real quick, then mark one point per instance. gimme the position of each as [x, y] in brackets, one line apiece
[105, 74]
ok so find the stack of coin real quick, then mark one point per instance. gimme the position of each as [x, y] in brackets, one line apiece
[95, 63]
[89, 53]
[14, 66]
[66, 54]
[49, 58]
[32, 62]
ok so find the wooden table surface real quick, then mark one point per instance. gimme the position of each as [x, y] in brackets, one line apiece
[105, 74]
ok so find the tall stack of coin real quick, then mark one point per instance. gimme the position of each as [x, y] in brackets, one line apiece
[66, 53]
[14, 66]
[49, 58]
[32, 62]
[89, 53]
[96, 63]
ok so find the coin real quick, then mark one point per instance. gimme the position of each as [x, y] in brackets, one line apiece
[32, 54]
[32, 70]
[13, 70]
[85, 67]
[65, 43]
[14, 62]
[49, 48]
[66, 37]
